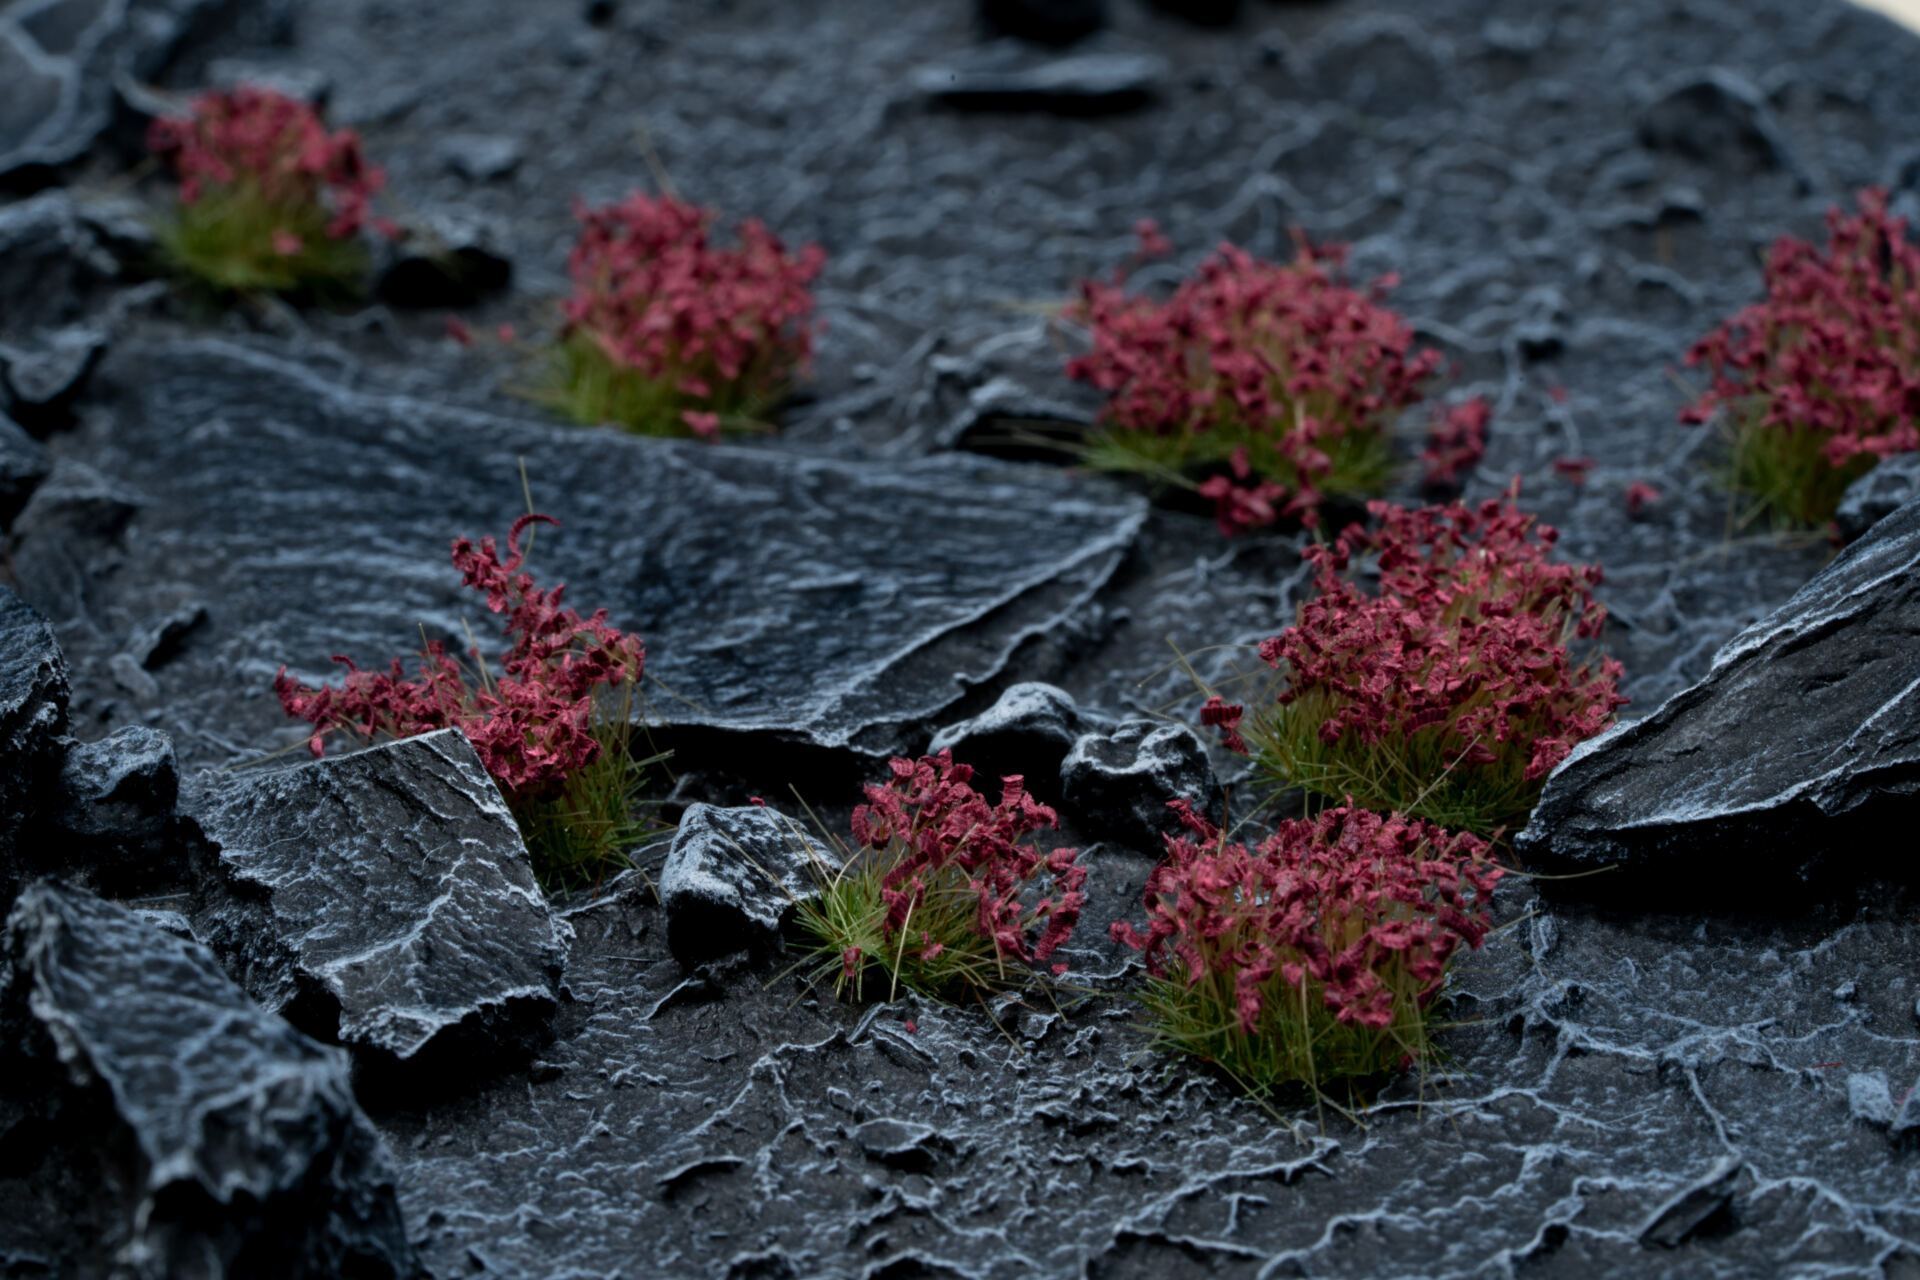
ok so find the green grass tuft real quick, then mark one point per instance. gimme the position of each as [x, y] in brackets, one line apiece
[1787, 474]
[586, 384]
[1420, 775]
[225, 239]
[1362, 459]
[585, 833]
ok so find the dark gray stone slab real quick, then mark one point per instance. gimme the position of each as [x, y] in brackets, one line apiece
[1808, 717]
[1878, 494]
[826, 602]
[23, 465]
[384, 895]
[1028, 731]
[60, 60]
[204, 1136]
[111, 820]
[733, 878]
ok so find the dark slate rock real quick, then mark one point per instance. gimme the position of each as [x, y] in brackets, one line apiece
[204, 1137]
[1716, 117]
[23, 465]
[733, 877]
[1699, 1207]
[1204, 13]
[444, 260]
[57, 256]
[1810, 716]
[1054, 22]
[1381, 67]
[1116, 785]
[42, 377]
[828, 602]
[113, 816]
[1878, 494]
[33, 716]
[1028, 731]
[1006, 76]
[305, 84]
[384, 895]
[901, 1144]
[1868, 1098]
[479, 157]
[60, 61]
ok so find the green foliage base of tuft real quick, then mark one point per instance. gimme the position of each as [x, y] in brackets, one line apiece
[585, 832]
[1297, 1042]
[1787, 474]
[225, 240]
[1362, 460]
[588, 386]
[1420, 776]
[851, 914]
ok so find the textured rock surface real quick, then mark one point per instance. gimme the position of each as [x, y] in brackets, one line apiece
[734, 876]
[800, 596]
[384, 896]
[61, 59]
[112, 817]
[1600, 1068]
[1117, 784]
[1029, 730]
[1010, 77]
[1878, 494]
[1810, 716]
[23, 465]
[216, 1139]
[33, 715]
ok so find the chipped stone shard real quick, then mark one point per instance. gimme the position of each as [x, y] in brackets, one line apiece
[1697, 1207]
[902, 1144]
[1028, 731]
[387, 890]
[112, 818]
[1717, 117]
[215, 1140]
[1116, 785]
[733, 877]
[1005, 76]
[1892, 484]
[1806, 718]
[33, 716]
[808, 598]
[23, 465]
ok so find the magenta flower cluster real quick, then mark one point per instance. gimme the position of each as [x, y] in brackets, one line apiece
[722, 327]
[530, 724]
[934, 828]
[1349, 908]
[278, 147]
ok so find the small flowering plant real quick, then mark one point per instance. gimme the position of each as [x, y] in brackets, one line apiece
[1821, 380]
[269, 199]
[668, 333]
[1451, 690]
[558, 750]
[942, 889]
[1264, 387]
[1315, 956]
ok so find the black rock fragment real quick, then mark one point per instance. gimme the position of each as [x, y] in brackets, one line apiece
[112, 819]
[1028, 731]
[479, 157]
[384, 897]
[33, 717]
[1804, 734]
[42, 377]
[1006, 76]
[58, 255]
[162, 1125]
[1116, 785]
[23, 465]
[900, 1144]
[733, 877]
[1052, 22]
[444, 260]
[1718, 118]
[1202, 13]
[1702, 1207]
[1380, 67]
[1878, 494]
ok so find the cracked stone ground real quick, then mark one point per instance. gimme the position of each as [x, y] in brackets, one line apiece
[1569, 192]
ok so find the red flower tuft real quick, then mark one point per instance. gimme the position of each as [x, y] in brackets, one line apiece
[1284, 372]
[937, 828]
[1350, 909]
[1639, 496]
[1456, 441]
[1573, 470]
[277, 147]
[531, 724]
[1225, 716]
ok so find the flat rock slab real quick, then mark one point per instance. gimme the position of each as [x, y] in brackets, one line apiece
[1810, 715]
[834, 603]
[387, 896]
[213, 1138]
